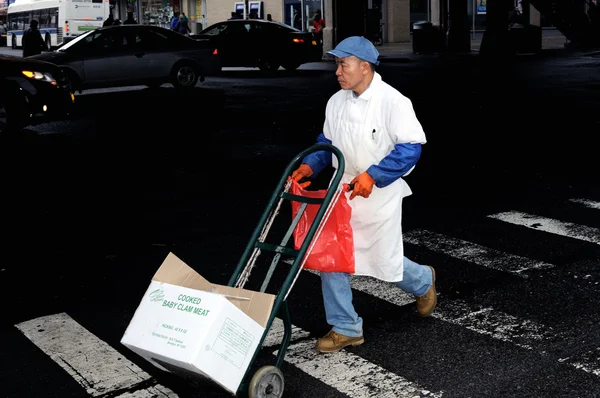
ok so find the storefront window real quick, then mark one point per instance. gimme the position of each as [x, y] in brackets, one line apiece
[300, 13]
[312, 9]
[158, 12]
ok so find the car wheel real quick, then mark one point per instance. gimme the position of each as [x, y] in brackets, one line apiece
[48, 42]
[290, 66]
[267, 64]
[14, 42]
[73, 77]
[184, 76]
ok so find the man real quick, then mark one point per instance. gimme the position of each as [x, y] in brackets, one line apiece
[174, 21]
[33, 43]
[318, 26]
[376, 129]
[130, 20]
[109, 21]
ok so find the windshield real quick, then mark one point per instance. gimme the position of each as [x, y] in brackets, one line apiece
[76, 40]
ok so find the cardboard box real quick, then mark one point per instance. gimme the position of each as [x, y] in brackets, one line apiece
[191, 327]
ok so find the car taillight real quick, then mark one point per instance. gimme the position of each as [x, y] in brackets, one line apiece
[216, 52]
[296, 40]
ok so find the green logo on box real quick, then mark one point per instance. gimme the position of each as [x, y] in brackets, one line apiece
[157, 295]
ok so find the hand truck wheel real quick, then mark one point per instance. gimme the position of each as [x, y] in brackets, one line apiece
[267, 382]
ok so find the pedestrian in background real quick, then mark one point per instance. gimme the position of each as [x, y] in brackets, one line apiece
[182, 25]
[109, 21]
[130, 20]
[377, 131]
[174, 21]
[33, 43]
[318, 26]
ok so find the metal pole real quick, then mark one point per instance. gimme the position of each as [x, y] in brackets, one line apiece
[428, 10]
[473, 13]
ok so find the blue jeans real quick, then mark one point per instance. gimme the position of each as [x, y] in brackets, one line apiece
[337, 295]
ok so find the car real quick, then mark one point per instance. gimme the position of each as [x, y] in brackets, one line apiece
[260, 43]
[127, 55]
[32, 91]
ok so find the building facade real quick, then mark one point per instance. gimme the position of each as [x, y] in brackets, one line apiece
[343, 18]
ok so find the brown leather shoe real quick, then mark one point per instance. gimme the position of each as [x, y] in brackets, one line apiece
[333, 342]
[426, 304]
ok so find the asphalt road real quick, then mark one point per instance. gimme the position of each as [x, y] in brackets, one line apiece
[505, 206]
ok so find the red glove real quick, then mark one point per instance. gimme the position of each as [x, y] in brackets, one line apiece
[304, 171]
[363, 185]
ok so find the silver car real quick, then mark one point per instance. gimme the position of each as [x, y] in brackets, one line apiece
[128, 55]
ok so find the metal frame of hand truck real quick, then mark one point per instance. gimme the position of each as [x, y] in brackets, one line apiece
[268, 380]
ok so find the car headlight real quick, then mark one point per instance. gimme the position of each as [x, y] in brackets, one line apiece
[45, 77]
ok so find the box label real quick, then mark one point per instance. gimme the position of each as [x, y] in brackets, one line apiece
[233, 343]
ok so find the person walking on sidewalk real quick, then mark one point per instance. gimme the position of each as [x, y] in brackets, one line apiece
[377, 131]
[33, 44]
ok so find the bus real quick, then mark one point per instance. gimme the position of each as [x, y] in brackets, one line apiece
[58, 20]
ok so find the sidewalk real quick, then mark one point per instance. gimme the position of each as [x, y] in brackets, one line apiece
[552, 39]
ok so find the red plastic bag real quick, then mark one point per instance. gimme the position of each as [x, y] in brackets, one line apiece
[333, 250]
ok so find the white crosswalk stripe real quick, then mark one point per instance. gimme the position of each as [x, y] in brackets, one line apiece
[539, 223]
[95, 365]
[589, 362]
[587, 203]
[351, 374]
[474, 253]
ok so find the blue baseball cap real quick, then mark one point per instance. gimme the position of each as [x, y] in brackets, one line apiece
[357, 46]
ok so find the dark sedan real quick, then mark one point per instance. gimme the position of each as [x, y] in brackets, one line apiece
[128, 55]
[31, 92]
[263, 44]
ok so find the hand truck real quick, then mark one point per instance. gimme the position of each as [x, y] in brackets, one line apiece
[268, 381]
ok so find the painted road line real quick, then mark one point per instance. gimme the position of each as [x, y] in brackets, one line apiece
[590, 362]
[95, 365]
[473, 253]
[587, 203]
[351, 374]
[570, 230]
[486, 321]
[483, 320]
[496, 324]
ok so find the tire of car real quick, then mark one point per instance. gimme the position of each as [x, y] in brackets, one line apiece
[14, 42]
[48, 42]
[76, 84]
[184, 75]
[268, 64]
[291, 66]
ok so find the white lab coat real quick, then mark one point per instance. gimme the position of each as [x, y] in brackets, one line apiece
[365, 130]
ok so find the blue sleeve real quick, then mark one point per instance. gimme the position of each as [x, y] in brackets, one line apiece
[319, 160]
[400, 161]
